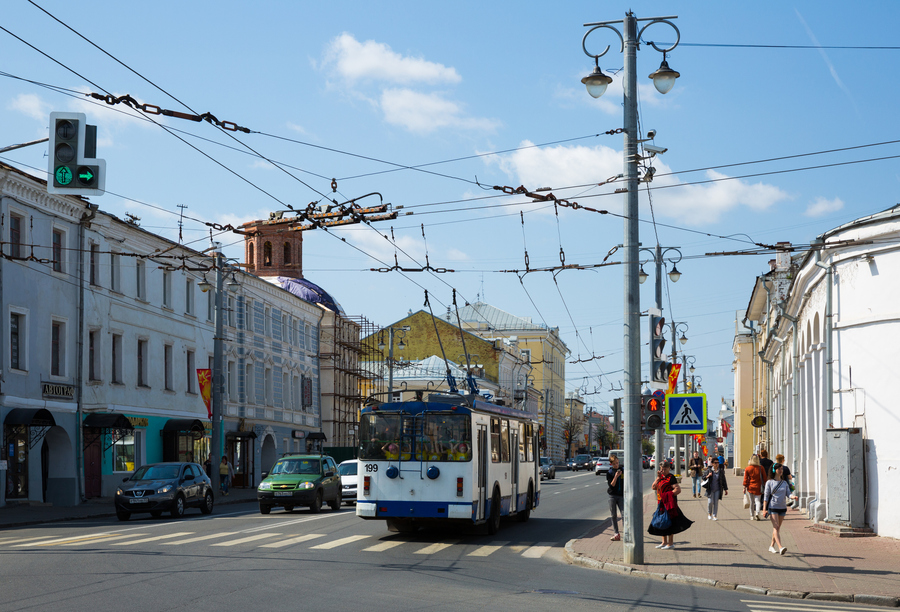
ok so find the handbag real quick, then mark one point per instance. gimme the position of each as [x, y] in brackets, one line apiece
[661, 519]
[746, 500]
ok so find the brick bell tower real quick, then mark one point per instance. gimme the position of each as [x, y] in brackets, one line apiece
[271, 252]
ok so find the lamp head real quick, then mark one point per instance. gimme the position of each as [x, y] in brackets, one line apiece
[596, 82]
[664, 77]
[674, 275]
[642, 276]
[204, 284]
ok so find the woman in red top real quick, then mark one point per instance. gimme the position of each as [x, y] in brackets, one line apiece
[754, 481]
[667, 490]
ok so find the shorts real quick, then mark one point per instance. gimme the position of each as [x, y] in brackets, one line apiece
[781, 511]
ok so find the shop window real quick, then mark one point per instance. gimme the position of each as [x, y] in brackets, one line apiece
[124, 454]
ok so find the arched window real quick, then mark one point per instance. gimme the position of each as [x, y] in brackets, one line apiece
[267, 254]
[287, 253]
[251, 259]
[816, 329]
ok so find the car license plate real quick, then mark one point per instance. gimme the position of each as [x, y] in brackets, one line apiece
[283, 493]
[138, 500]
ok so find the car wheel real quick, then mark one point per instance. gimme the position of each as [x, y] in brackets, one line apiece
[265, 508]
[123, 515]
[336, 502]
[208, 502]
[156, 513]
[493, 523]
[316, 506]
[553, 474]
[178, 506]
[525, 514]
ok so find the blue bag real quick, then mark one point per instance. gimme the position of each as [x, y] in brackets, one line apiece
[661, 519]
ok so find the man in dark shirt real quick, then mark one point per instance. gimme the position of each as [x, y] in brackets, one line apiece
[765, 462]
[615, 477]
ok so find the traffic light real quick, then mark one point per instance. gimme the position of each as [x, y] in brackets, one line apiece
[653, 412]
[616, 407]
[659, 367]
[72, 171]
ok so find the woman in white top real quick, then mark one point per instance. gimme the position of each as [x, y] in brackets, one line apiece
[775, 506]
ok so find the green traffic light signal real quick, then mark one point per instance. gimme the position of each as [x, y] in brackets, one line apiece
[71, 171]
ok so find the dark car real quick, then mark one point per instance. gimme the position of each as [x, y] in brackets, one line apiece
[301, 480]
[161, 487]
[583, 462]
[548, 470]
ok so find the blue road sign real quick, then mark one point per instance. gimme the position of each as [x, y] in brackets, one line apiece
[686, 413]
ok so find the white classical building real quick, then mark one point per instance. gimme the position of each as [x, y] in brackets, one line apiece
[823, 327]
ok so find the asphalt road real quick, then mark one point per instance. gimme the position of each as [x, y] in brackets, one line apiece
[238, 559]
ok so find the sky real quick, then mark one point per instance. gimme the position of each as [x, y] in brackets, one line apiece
[780, 128]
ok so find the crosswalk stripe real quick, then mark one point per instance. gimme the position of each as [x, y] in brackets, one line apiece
[517, 548]
[484, 551]
[14, 541]
[538, 550]
[340, 542]
[223, 534]
[384, 546]
[101, 540]
[259, 536]
[297, 540]
[436, 547]
[155, 538]
[69, 539]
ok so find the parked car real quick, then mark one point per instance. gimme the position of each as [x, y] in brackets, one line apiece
[161, 487]
[582, 462]
[347, 471]
[601, 465]
[300, 480]
[645, 462]
[548, 470]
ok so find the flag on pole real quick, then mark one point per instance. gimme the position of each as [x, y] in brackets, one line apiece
[204, 377]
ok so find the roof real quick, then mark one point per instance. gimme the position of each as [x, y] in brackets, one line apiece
[310, 292]
[479, 314]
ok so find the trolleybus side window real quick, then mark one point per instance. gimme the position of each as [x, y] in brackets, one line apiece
[504, 441]
[495, 440]
[521, 441]
[529, 441]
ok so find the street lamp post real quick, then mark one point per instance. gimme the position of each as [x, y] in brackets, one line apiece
[596, 83]
[401, 333]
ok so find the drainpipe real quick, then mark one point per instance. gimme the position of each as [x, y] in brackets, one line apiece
[86, 219]
[829, 328]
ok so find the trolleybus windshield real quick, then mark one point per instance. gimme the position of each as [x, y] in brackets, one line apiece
[428, 436]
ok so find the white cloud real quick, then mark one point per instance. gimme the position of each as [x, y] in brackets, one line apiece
[31, 106]
[821, 207]
[373, 61]
[423, 113]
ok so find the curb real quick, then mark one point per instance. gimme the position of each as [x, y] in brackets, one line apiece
[576, 558]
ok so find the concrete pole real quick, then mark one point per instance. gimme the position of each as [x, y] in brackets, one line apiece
[390, 364]
[633, 542]
[218, 357]
[658, 434]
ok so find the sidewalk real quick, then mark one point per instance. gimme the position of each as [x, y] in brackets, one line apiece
[20, 515]
[732, 553]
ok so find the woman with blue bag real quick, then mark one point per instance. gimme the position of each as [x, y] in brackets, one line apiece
[668, 519]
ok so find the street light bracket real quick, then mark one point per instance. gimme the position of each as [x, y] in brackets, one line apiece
[653, 44]
[597, 27]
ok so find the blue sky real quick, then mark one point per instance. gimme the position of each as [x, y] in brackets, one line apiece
[345, 90]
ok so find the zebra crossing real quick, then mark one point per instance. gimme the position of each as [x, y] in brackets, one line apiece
[265, 539]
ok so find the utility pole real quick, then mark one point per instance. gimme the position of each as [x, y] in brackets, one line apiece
[218, 357]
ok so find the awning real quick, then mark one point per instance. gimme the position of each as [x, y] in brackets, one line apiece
[241, 434]
[30, 417]
[184, 425]
[107, 421]
[316, 435]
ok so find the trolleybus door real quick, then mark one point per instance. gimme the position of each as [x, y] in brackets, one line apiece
[483, 458]
[514, 467]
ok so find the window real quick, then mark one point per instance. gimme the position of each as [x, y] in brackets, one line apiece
[250, 256]
[115, 272]
[287, 253]
[495, 440]
[521, 441]
[141, 363]
[211, 304]
[140, 279]
[167, 290]
[116, 375]
[285, 403]
[123, 454]
[167, 367]
[285, 330]
[57, 251]
[17, 343]
[58, 348]
[529, 442]
[526, 355]
[95, 265]
[268, 389]
[301, 335]
[268, 322]
[232, 382]
[248, 383]
[94, 355]
[267, 254]
[191, 372]
[295, 393]
[504, 441]
[189, 296]
[15, 235]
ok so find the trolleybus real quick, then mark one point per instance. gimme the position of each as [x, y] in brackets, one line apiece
[451, 458]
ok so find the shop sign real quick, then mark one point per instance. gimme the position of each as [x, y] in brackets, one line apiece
[138, 421]
[57, 391]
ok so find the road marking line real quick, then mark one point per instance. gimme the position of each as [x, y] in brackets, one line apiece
[537, 551]
[200, 538]
[12, 541]
[340, 542]
[384, 546]
[519, 547]
[259, 536]
[436, 547]
[297, 540]
[103, 540]
[155, 538]
[484, 551]
[767, 605]
[69, 539]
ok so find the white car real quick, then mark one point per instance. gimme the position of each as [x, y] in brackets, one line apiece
[601, 465]
[347, 471]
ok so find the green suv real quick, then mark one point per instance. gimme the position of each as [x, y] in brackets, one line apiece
[300, 480]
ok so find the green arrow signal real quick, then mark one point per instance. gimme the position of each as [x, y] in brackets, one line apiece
[86, 175]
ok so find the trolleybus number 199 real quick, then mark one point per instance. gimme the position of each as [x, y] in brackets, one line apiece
[371, 467]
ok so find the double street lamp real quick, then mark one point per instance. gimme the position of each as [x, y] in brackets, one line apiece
[596, 83]
[401, 333]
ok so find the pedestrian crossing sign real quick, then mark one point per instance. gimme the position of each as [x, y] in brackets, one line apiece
[686, 413]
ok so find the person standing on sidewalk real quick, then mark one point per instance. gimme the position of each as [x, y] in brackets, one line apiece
[716, 486]
[615, 478]
[695, 465]
[667, 490]
[775, 506]
[754, 481]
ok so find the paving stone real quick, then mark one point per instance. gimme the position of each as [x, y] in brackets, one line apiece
[789, 594]
[744, 588]
[830, 597]
[877, 600]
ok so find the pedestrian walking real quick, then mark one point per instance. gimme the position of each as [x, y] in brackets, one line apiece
[787, 477]
[716, 486]
[667, 490]
[207, 465]
[615, 478]
[754, 482]
[695, 465]
[765, 462]
[226, 474]
[775, 506]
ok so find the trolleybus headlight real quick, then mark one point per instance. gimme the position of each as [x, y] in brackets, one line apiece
[433, 472]
[391, 472]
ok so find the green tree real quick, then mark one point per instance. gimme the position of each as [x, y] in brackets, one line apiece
[647, 446]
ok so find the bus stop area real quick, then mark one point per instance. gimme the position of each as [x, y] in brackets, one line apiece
[732, 553]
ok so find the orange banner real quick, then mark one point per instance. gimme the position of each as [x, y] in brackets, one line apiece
[205, 379]
[673, 378]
